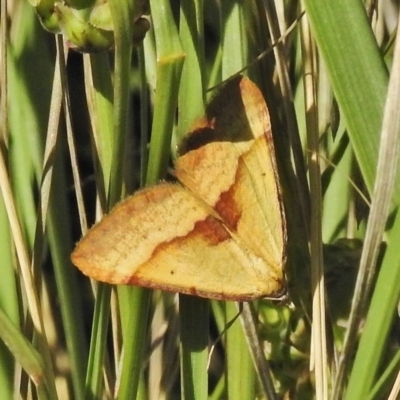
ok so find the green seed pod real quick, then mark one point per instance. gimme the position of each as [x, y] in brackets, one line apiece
[80, 34]
[87, 25]
[47, 16]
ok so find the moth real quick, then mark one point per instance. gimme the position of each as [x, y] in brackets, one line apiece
[220, 231]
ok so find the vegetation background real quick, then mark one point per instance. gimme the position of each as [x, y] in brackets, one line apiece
[77, 127]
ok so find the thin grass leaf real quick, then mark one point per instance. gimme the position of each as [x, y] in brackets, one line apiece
[52, 213]
[192, 89]
[386, 179]
[357, 73]
[170, 58]
[99, 96]
[386, 378]
[100, 100]
[19, 227]
[319, 362]
[121, 13]
[25, 354]
[8, 302]
[194, 346]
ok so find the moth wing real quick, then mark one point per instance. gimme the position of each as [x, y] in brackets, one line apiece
[238, 177]
[164, 237]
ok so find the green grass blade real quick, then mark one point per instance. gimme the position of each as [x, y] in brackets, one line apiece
[191, 93]
[357, 73]
[122, 13]
[135, 303]
[27, 122]
[241, 378]
[170, 59]
[234, 42]
[94, 381]
[100, 100]
[382, 310]
[25, 354]
[386, 378]
[99, 95]
[8, 302]
[59, 237]
[384, 188]
[194, 314]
